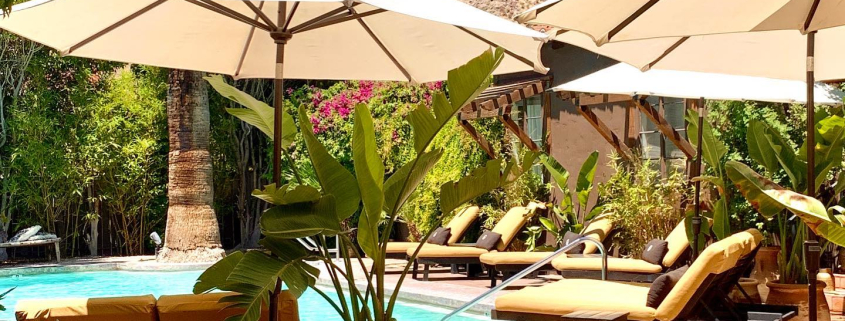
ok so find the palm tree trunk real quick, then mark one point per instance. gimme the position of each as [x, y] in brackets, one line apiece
[192, 233]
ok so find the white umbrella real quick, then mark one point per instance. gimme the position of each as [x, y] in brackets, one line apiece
[627, 80]
[409, 40]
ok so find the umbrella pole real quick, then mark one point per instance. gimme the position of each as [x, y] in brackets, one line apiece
[811, 245]
[280, 37]
[696, 219]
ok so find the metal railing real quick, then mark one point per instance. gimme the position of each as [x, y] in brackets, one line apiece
[532, 268]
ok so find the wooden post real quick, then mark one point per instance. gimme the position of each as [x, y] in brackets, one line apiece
[605, 132]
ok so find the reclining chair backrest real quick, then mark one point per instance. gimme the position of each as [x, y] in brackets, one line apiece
[511, 223]
[599, 228]
[678, 245]
[461, 223]
[716, 259]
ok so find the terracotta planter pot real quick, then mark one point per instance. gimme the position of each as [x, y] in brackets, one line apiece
[751, 288]
[796, 295]
[839, 280]
[835, 301]
[766, 268]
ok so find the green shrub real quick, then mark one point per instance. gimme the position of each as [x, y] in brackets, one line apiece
[644, 205]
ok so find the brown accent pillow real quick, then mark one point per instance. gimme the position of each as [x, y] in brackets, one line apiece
[488, 240]
[570, 237]
[662, 285]
[440, 236]
[654, 251]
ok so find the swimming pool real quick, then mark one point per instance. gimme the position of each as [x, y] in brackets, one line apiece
[123, 283]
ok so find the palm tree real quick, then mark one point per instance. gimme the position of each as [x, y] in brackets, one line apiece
[192, 234]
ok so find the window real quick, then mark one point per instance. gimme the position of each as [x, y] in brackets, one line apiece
[532, 124]
[654, 145]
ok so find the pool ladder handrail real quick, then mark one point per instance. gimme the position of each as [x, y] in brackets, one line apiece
[531, 269]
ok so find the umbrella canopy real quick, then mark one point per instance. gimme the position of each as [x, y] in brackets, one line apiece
[612, 20]
[409, 40]
[626, 80]
[779, 54]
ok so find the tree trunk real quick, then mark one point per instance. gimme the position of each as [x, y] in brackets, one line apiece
[192, 233]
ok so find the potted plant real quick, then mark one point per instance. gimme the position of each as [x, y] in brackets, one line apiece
[774, 153]
[301, 210]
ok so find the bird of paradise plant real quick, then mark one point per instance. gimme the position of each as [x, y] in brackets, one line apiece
[299, 210]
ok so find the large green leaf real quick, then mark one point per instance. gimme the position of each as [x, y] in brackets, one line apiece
[721, 219]
[370, 171]
[215, 276]
[414, 174]
[759, 148]
[256, 113]
[464, 84]
[285, 195]
[334, 178]
[479, 182]
[301, 219]
[752, 186]
[585, 179]
[253, 278]
[561, 177]
[812, 212]
[713, 149]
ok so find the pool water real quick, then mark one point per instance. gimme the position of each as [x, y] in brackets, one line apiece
[124, 283]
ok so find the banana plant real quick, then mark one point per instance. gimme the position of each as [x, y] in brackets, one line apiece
[713, 151]
[570, 217]
[775, 155]
[317, 211]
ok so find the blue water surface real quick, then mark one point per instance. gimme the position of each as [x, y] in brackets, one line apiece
[312, 307]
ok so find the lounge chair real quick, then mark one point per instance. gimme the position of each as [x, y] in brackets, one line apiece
[510, 262]
[695, 288]
[185, 307]
[588, 266]
[466, 253]
[459, 225]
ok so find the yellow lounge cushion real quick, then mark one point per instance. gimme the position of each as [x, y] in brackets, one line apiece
[614, 264]
[598, 229]
[461, 223]
[134, 308]
[441, 251]
[200, 307]
[401, 247]
[501, 258]
[578, 295]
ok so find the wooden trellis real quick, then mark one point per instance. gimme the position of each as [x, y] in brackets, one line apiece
[497, 102]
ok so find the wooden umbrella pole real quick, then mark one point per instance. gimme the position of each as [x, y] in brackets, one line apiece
[280, 37]
[811, 245]
[696, 219]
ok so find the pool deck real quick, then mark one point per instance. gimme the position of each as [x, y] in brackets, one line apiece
[444, 289]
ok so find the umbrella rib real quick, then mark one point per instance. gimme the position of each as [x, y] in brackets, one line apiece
[260, 14]
[290, 16]
[319, 18]
[666, 53]
[114, 26]
[340, 19]
[493, 44]
[217, 8]
[246, 45]
[811, 15]
[631, 19]
[384, 48]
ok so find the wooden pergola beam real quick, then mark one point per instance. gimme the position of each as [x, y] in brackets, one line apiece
[521, 134]
[605, 132]
[665, 128]
[494, 106]
[485, 145]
